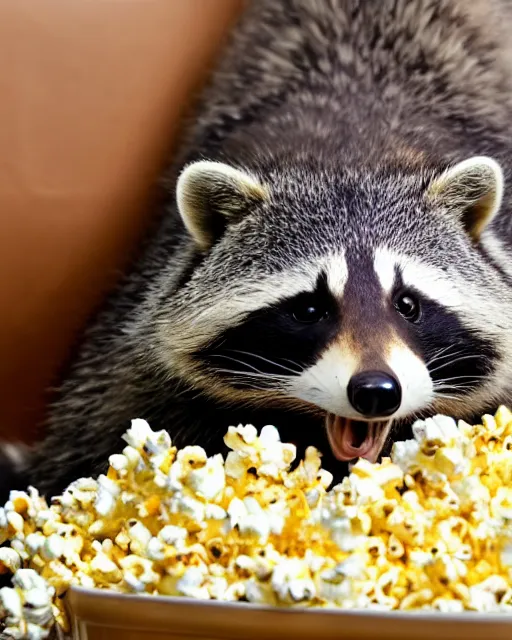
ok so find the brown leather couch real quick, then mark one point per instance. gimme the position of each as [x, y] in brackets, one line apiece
[91, 95]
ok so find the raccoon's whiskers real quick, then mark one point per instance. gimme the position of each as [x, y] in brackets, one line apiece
[476, 376]
[278, 392]
[248, 384]
[457, 382]
[442, 388]
[446, 396]
[452, 362]
[251, 378]
[298, 371]
[437, 355]
[249, 374]
[243, 363]
[442, 392]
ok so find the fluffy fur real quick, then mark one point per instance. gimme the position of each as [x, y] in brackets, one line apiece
[343, 123]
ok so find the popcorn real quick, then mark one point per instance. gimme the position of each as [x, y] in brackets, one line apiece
[26, 608]
[428, 528]
[106, 498]
[191, 584]
[250, 518]
[139, 536]
[292, 583]
[140, 569]
[10, 560]
[209, 480]
[104, 570]
[173, 535]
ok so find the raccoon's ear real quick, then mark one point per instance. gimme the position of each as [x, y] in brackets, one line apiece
[210, 195]
[473, 189]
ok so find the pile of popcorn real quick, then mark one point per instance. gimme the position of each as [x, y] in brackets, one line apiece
[429, 528]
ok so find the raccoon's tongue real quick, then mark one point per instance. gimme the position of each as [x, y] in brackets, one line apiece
[351, 439]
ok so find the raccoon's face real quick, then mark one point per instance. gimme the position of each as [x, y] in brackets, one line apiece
[363, 300]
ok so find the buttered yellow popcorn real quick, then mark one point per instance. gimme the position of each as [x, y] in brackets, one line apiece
[428, 528]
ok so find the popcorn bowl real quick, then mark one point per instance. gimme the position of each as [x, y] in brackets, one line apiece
[103, 615]
[428, 531]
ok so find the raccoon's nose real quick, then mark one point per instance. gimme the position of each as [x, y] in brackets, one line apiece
[374, 394]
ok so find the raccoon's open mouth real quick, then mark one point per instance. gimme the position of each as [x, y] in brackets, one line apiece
[351, 439]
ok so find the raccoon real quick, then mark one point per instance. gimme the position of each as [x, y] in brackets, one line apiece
[332, 254]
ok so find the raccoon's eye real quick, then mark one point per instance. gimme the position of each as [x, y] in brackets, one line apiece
[408, 306]
[308, 312]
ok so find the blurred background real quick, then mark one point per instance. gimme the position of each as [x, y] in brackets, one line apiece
[91, 98]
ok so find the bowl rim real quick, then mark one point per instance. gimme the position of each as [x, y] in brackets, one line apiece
[234, 620]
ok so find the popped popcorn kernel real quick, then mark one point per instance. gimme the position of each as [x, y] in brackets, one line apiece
[10, 560]
[428, 528]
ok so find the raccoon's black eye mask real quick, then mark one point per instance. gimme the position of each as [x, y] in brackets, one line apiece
[457, 359]
[280, 340]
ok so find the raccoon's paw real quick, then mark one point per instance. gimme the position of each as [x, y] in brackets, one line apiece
[14, 461]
